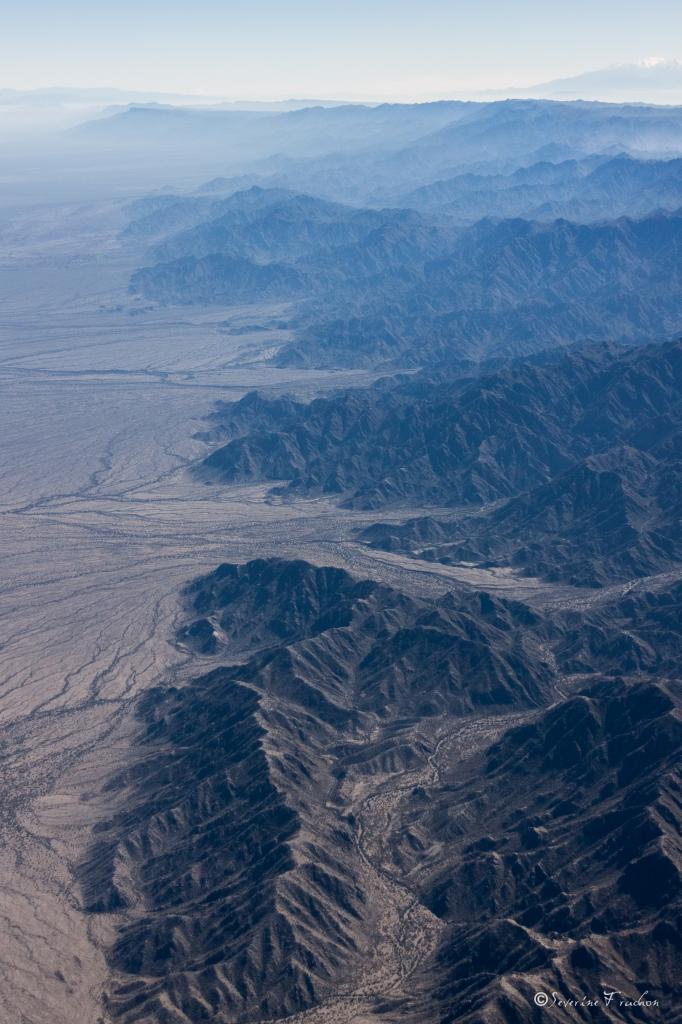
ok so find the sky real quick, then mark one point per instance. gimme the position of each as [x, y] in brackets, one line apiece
[354, 49]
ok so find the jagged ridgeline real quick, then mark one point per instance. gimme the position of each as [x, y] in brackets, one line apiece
[565, 468]
[263, 847]
[397, 286]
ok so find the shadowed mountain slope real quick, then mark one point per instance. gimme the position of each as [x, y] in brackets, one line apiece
[238, 883]
[279, 807]
[507, 287]
[457, 440]
[555, 859]
[614, 516]
[324, 248]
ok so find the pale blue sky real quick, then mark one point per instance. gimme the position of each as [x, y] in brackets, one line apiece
[398, 49]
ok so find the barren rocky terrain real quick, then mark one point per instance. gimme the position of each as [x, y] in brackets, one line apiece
[259, 750]
[102, 526]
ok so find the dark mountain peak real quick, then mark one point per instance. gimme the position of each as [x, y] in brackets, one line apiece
[268, 601]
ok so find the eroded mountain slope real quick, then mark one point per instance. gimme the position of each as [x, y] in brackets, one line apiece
[315, 822]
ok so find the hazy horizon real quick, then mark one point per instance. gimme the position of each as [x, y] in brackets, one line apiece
[377, 51]
[30, 112]
[513, 90]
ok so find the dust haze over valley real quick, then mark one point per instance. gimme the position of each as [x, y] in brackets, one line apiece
[342, 558]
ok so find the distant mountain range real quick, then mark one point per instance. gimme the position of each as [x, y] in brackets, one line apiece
[655, 80]
[25, 110]
[240, 138]
[361, 150]
[594, 188]
[414, 289]
[465, 230]
[366, 154]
